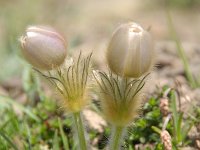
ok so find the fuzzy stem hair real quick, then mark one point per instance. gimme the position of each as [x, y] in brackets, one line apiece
[80, 130]
[117, 136]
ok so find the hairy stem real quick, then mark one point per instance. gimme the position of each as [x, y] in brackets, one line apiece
[116, 138]
[80, 130]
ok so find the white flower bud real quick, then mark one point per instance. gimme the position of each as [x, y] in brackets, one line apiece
[130, 51]
[43, 47]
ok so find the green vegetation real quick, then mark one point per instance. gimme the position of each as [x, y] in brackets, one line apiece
[33, 127]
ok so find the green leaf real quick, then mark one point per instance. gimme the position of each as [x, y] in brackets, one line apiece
[64, 138]
[8, 140]
[156, 129]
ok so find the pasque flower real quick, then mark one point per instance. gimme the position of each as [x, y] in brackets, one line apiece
[130, 56]
[43, 47]
[130, 51]
[120, 100]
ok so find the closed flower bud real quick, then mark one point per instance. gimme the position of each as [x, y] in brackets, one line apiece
[43, 47]
[130, 51]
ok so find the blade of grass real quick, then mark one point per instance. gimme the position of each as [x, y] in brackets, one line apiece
[5, 123]
[8, 140]
[181, 51]
[179, 127]
[64, 138]
[55, 141]
[10, 101]
[28, 135]
[173, 107]
[186, 128]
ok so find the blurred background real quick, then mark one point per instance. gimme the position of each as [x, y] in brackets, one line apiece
[87, 25]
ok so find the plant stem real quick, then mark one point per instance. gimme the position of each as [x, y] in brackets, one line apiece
[116, 138]
[80, 129]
